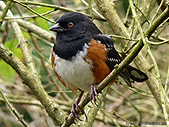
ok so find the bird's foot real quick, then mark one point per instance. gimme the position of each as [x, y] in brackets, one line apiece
[75, 107]
[94, 94]
[74, 111]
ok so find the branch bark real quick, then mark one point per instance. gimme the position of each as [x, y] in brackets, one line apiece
[13, 110]
[53, 109]
[29, 75]
[118, 27]
[56, 7]
[161, 89]
[5, 10]
[115, 22]
[108, 11]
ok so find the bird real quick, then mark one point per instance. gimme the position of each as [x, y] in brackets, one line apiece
[83, 56]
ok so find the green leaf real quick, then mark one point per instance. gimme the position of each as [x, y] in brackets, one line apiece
[40, 21]
[6, 70]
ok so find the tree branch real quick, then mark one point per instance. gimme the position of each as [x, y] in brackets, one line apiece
[30, 77]
[112, 18]
[155, 90]
[5, 10]
[35, 12]
[109, 12]
[53, 109]
[113, 75]
[58, 7]
[13, 110]
[161, 90]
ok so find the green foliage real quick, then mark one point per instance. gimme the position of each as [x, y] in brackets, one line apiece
[7, 71]
[38, 20]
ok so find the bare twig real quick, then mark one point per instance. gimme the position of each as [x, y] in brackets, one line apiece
[158, 43]
[30, 77]
[138, 111]
[37, 30]
[12, 109]
[5, 10]
[5, 33]
[23, 101]
[124, 63]
[157, 11]
[94, 10]
[57, 7]
[47, 70]
[161, 90]
[31, 16]
[35, 12]
[167, 80]
[140, 61]
[53, 109]
[146, 18]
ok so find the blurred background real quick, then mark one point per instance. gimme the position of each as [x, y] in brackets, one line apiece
[122, 105]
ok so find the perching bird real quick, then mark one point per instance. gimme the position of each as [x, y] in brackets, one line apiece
[82, 56]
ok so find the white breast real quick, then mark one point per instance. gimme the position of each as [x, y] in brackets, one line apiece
[76, 73]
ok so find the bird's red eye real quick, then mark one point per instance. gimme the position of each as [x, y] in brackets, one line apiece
[70, 24]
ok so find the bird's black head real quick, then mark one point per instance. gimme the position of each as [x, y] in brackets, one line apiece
[73, 25]
[74, 30]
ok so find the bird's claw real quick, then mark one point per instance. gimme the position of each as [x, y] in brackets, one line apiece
[94, 94]
[75, 107]
[74, 111]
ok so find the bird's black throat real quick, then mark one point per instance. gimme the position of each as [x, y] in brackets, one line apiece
[68, 49]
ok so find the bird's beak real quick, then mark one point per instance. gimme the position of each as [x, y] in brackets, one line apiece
[57, 28]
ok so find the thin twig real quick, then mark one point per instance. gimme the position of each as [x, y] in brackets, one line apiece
[166, 82]
[157, 11]
[58, 7]
[122, 65]
[37, 30]
[23, 101]
[52, 108]
[13, 110]
[123, 37]
[118, 92]
[143, 94]
[31, 16]
[5, 33]
[161, 90]
[35, 12]
[162, 24]
[142, 13]
[158, 43]
[127, 14]
[146, 7]
[5, 10]
[47, 70]
[94, 10]
[113, 113]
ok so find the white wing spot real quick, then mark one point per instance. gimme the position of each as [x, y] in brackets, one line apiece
[114, 60]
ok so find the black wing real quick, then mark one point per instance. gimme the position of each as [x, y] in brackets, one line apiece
[114, 58]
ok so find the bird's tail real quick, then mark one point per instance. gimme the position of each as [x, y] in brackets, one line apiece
[131, 74]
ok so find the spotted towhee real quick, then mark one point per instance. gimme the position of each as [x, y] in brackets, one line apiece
[82, 56]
